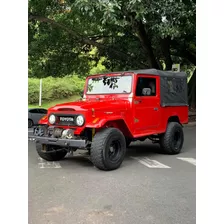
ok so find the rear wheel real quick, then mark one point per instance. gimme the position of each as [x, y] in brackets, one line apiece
[50, 153]
[172, 141]
[108, 149]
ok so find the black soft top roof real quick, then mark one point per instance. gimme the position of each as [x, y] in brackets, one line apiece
[160, 73]
[156, 72]
[173, 86]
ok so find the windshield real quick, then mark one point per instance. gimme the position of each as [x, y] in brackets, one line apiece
[109, 85]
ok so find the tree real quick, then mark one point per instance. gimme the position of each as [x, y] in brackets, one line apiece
[130, 34]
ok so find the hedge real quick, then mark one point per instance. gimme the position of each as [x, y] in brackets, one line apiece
[54, 88]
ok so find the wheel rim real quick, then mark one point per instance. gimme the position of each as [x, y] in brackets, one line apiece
[177, 140]
[114, 150]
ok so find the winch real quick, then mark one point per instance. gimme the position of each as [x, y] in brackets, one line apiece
[63, 133]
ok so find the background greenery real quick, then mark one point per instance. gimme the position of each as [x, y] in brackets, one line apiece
[48, 104]
[68, 37]
[54, 88]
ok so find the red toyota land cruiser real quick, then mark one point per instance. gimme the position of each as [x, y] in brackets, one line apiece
[117, 108]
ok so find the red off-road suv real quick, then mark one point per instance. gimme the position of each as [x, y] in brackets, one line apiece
[117, 108]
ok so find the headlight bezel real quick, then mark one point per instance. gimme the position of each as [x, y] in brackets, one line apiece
[55, 118]
[80, 115]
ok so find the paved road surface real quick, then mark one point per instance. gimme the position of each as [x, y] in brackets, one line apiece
[149, 188]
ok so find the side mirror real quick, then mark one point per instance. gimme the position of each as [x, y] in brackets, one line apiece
[146, 92]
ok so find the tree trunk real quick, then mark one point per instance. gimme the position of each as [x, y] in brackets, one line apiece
[191, 57]
[183, 52]
[165, 48]
[146, 44]
[192, 91]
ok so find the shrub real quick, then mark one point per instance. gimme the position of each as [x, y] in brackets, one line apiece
[54, 88]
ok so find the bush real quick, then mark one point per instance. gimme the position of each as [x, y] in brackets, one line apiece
[54, 88]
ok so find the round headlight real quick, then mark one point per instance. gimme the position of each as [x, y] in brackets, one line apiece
[80, 120]
[52, 119]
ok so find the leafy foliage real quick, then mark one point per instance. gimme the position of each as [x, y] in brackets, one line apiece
[123, 34]
[127, 33]
[54, 88]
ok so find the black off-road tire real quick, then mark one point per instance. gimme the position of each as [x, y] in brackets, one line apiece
[50, 153]
[30, 123]
[172, 140]
[104, 142]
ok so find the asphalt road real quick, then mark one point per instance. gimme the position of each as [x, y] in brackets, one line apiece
[149, 188]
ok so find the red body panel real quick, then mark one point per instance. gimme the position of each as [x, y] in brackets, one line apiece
[135, 116]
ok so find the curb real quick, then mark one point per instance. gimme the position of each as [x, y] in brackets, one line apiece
[190, 124]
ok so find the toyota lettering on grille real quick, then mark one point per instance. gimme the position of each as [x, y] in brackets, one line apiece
[67, 119]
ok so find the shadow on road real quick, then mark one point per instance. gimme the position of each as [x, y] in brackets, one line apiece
[79, 159]
[136, 150]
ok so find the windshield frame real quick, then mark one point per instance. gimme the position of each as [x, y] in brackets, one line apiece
[109, 75]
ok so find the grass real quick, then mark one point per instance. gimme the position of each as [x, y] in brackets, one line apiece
[46, 105]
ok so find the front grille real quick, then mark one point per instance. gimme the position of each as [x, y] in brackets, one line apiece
[66, 120]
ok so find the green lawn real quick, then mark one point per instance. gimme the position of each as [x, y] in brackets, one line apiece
[54, 102]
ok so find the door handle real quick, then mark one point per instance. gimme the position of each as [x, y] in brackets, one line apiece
[155, 108]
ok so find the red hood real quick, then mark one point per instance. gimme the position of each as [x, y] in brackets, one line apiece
[88, 105]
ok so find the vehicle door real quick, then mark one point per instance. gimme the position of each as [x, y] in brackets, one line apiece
[146, 107]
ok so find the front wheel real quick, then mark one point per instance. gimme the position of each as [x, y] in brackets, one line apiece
[108, 149]
[50, 153]
[30, 123]
[172, 140]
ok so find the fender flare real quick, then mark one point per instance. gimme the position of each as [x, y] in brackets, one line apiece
[117, 120]
[100, 122]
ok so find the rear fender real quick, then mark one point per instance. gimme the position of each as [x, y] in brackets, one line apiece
[173, 118]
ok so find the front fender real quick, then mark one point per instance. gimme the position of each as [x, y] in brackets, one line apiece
[100, 122]
[43, 120]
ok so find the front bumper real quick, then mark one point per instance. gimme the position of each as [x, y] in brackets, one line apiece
[40, 136]
[74, 143]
